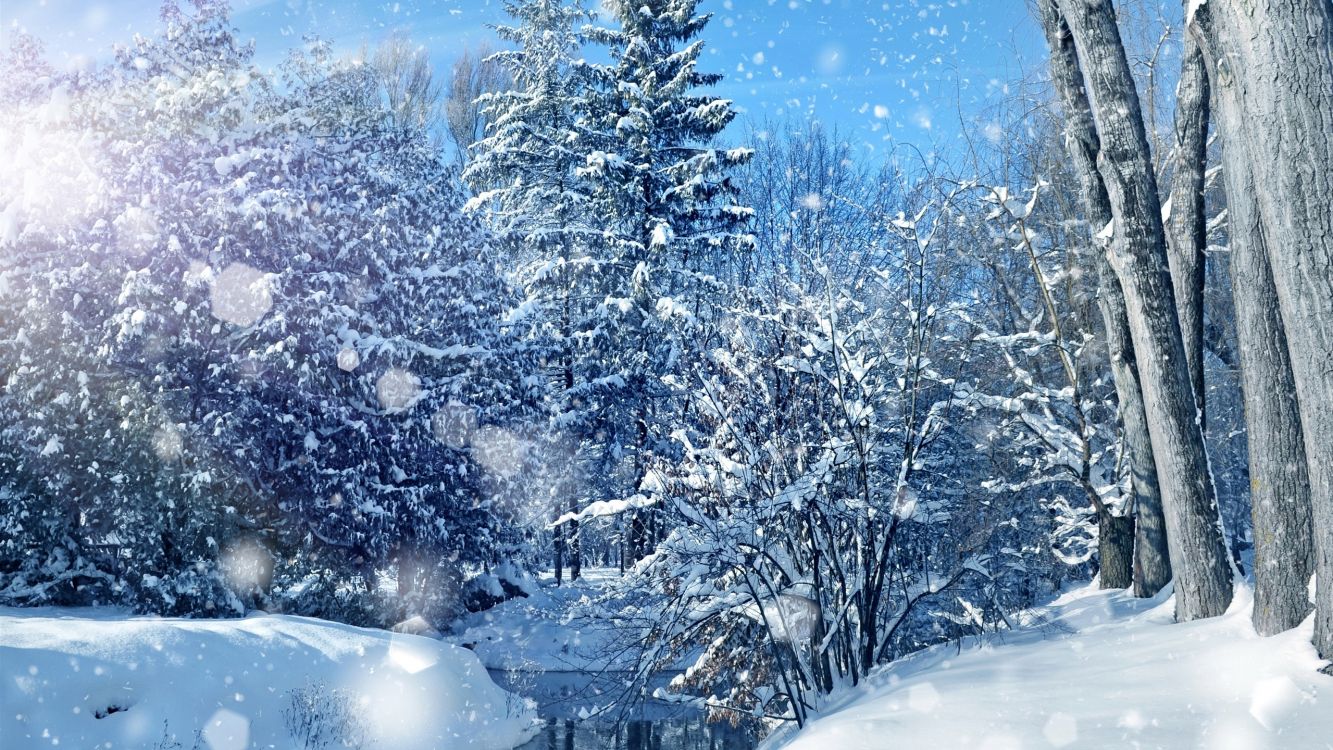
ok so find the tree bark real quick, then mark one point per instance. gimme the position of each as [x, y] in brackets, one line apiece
[1188, 225]
[1279, 483]
[1272, 62]
[1116, 545]
[409, 569]
[1138, 255]
[575, 546]
[1152, 565]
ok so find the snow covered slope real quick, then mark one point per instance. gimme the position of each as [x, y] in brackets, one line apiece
[92, 678]
[1094, 669]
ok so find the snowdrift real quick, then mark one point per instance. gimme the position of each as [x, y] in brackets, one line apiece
[1094, 669]
[91, 678]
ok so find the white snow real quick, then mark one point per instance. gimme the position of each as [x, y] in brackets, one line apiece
[154, 682]
[550, 630]
[1093, 669]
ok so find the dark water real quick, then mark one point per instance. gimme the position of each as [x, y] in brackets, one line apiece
[575, 709]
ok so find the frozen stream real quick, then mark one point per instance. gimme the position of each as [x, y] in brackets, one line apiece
[564, 697]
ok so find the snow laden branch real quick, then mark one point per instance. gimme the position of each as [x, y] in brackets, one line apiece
[1058, 415]
[815, 512]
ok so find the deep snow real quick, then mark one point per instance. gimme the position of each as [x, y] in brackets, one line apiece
[1094, 669]
[100, 678]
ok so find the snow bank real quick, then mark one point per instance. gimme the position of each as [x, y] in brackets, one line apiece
[1094, 669]
[98, 679]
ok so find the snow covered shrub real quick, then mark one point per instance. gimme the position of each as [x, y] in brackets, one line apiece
[490, 588]
[198, 589]
[312, 590]
[171, 741]
[825, 517]
[320, 717]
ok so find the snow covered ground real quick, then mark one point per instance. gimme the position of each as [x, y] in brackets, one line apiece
[96, 678]
[549, 631]
[1094, 669]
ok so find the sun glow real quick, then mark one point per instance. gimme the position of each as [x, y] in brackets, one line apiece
[51, 178]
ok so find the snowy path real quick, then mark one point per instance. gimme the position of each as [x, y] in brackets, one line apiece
[1126, 676]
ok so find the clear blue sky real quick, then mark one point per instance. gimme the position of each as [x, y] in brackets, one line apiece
[882, 72]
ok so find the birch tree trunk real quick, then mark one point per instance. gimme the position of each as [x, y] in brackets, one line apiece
[1273, 61]
[1139, 257]
[1187, 224]
[1152, 565]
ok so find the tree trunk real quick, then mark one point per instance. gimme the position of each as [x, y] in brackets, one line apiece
[558, 541]
[1138, 255]
[1152, 565]
[1279, 484]
[1272, 64]
[1152, 555]
[1188, 225]
[409, 569]
[575, 547]
[1115, 546]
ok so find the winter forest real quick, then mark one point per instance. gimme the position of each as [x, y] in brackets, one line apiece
[576, 386]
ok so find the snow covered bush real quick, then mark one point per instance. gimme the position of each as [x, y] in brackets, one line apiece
[320, 717]
[822, 510]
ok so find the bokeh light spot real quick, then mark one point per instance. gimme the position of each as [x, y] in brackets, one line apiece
[227, 730]
[241, 295]
[397, 390]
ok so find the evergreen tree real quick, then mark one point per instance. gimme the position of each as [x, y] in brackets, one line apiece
[524, 172]
[662, 188]
[267, 331]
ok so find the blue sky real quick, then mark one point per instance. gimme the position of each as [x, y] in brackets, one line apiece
[883, 73]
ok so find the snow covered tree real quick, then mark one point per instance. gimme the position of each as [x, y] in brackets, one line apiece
[1269, 64]
[1054, 410]
[1152, 565]
[608, 188]
[93, 425]
[1137, 254]
[825, 508]
[524, 172]
[272, 334]
[665, 199]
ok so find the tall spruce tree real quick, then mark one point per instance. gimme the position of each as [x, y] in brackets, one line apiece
[524, 174]
[607, 185]
[661, 186]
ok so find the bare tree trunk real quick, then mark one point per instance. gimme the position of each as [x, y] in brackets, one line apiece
[558, 540]
[1152, 556]
[409, 569]
[1279, 483]
[575, 546]
[1152, 565]
[1272, 63]
[1138, 255]
[1116, 546]
[1188, 224]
